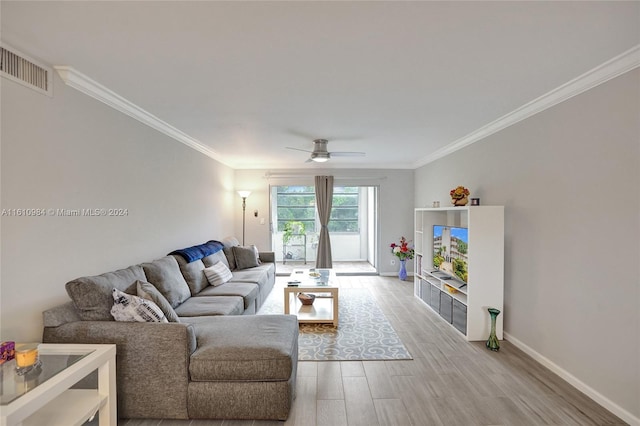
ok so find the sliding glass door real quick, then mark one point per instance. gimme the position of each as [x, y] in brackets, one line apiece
[352, 229]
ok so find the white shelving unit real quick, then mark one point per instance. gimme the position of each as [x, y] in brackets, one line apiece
[463, 306]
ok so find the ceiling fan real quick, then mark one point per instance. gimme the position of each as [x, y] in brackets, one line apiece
[320, 153]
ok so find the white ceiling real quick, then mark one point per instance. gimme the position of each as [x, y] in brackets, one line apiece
[397, 80]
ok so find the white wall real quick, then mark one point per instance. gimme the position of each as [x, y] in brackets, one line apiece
[568, 178]
[396, 202]
[73, 152]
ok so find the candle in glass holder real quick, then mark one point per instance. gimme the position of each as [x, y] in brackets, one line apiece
[26, 356]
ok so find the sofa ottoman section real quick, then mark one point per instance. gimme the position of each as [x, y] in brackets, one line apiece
[248, 292]
[248, 363]
[211, 306]
[240, 400]
[244, 348]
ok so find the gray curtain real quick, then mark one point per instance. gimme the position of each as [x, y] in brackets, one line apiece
[324, 198]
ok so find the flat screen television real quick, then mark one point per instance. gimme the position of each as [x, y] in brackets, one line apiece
[451, 251]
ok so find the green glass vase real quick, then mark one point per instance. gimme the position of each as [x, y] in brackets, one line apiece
[493, 343]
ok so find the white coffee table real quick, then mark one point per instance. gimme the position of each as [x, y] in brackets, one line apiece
[325, 307]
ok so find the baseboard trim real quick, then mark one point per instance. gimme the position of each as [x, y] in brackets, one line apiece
[575, 382]
[395, 274]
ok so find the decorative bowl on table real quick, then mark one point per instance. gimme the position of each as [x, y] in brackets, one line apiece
[306, 299]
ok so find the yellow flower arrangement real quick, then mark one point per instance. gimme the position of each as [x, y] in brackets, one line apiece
[459, 193]
[459, 196]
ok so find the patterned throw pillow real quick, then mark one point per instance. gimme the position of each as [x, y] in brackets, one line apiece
[218, 274]
[127, 307]
[150, 292]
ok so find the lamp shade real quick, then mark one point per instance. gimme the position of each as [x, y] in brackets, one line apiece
[244, 194]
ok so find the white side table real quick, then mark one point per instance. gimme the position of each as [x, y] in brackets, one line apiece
[45, 397]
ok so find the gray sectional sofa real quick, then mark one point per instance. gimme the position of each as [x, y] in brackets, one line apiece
[217, 362]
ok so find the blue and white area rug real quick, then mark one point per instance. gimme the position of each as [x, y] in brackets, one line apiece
[363, 333]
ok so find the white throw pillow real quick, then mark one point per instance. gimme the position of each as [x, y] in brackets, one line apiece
[217, 274]
[127, 307]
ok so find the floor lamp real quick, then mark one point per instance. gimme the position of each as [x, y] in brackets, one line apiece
[244, 195]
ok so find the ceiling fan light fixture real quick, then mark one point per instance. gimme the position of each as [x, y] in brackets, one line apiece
[320, 157]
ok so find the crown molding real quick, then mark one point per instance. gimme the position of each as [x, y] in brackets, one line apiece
[616, 66]
[602, 73]
[92, 88]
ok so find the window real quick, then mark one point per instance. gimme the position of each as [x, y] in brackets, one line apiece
[344, 211]
[298, 203]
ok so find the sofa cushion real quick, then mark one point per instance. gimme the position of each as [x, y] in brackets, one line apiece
[214, 258]
[60, 315]
[92, 295]
[255, 348]
[217, 274]
[150, 292]
[164, 273]
[210, 306]
[192, 274]
[267, 257]
[230, 241]
[246, 257]
[248, 292]
[231, 258]
[257, 275]
[127, 307]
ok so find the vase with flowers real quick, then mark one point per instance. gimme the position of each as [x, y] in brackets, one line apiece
[403, 252]
[459, 196]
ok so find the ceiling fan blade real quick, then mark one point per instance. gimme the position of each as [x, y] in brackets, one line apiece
[298, 149]
[301, 134]
[309, 160]
[347, 154]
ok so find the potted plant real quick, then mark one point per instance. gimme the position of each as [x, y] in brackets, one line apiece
[291, 228]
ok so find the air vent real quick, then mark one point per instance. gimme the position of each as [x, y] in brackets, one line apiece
[24, 70]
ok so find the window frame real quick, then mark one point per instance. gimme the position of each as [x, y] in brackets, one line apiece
[353, 193]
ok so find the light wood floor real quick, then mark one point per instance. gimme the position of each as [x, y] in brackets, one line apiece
[449, 381]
